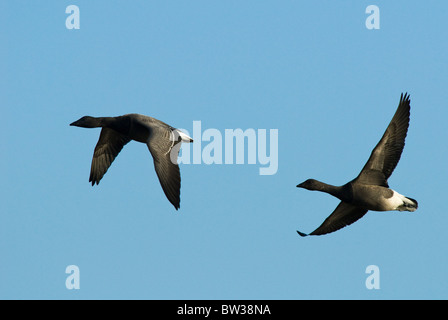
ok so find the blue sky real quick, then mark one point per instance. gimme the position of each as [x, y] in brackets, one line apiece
[310, 69]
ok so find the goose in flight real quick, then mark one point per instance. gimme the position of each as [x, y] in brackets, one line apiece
[163, 142]
[370, 190]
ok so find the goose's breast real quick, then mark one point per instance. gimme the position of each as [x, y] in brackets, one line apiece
[139, 131]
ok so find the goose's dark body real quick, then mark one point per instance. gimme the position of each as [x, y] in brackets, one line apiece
[370, 189]
[162, 141]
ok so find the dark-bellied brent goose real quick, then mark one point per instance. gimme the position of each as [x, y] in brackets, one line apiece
[163, 142]
[370, 190]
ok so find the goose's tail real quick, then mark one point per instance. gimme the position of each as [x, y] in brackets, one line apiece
[180, 136]
[409, 204]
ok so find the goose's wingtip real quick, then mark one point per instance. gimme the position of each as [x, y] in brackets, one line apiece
[94, 182]
[405, 97]
[302, 234]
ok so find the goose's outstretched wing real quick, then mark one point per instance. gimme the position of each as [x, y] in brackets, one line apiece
[108, 147]
[385, 156]
[344, 215]
[164, 150]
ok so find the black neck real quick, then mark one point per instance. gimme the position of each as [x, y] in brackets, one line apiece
[119, 124]
[343, 193]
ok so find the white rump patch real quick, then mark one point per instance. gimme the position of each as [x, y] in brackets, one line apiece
[185, 138]
[401, 203]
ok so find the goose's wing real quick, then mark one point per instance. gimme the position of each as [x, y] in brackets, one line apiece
[344, 215]
[108, 147]
[385, 156]
[165, 150]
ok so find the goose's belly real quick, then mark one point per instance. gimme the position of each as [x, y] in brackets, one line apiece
[377, 198]
[139, 132]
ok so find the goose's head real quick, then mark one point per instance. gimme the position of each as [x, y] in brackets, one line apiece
[310, 184]
[86, 122]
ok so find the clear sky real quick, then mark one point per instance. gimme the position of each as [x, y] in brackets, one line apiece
[310, 69]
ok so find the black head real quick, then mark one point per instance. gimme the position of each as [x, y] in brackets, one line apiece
[310, 184]
[86, 122]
